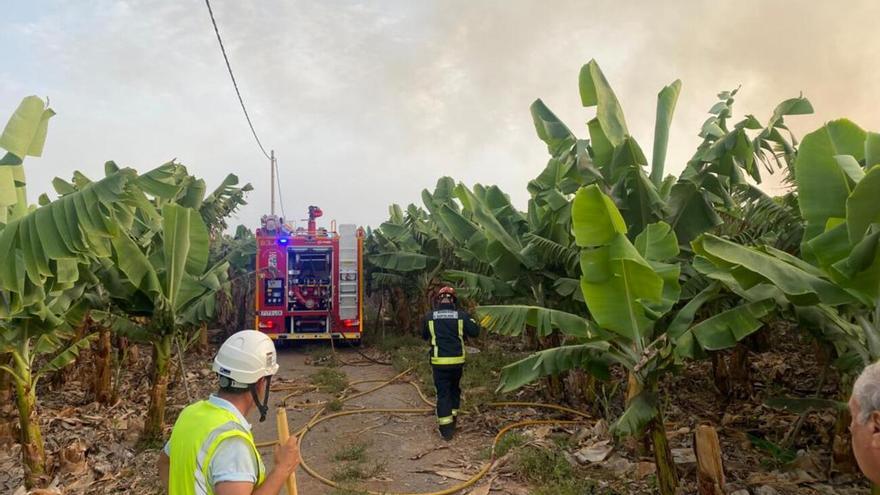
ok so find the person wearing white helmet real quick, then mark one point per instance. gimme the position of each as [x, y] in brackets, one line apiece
[211, 450]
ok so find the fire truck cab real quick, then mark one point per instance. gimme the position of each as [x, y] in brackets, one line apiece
[309, 281]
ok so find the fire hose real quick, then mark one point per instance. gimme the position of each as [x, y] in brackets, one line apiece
[317, 418]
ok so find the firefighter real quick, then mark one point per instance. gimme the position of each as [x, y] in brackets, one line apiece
[211, 449]
[446, 328]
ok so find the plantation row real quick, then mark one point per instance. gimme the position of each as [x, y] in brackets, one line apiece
[616, 265]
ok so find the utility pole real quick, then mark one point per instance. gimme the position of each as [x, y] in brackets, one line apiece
[272, 175]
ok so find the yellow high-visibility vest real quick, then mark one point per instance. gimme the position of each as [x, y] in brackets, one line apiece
[196, 435]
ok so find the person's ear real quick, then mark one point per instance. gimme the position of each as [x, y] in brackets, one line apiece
[873, 423]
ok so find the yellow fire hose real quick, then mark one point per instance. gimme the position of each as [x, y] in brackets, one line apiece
[317, 418]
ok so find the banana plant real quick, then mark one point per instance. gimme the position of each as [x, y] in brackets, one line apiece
[157, 268]
[404, 258]
[613, 159]
[631, 289]
[50, 249]
[240, 250]
[30, 340]
[169, 282]
[834, 283]
[221, 203]
[23, 136]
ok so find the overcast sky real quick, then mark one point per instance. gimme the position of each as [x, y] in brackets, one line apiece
[367, 103]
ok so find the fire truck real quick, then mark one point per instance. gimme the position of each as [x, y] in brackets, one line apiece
[309, 281]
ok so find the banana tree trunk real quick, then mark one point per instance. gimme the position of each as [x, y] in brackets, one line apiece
[7, 416]
[6, 383]
[585, 387]
[134, 352]
[33, 453]
[555, 383]
[380, 318]
[740, 371]
[639, 446]
[721, 375]
[667, 477]
[159, 375]
[103, 367]
[842, 458]
[405, 314]
[203, 337]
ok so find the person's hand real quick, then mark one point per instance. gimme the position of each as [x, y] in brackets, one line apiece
[287, 456]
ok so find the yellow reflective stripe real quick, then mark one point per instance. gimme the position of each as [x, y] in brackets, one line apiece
[448, 360]
[461, 335]
[433, 338]
[455, 412]
[445, 420]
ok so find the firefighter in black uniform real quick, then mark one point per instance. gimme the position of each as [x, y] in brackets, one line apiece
[446, 328]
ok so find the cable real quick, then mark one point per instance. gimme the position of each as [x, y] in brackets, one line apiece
[234, 84]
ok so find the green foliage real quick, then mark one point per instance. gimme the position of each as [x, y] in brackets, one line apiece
[777, 456]
[508, 442]
[550, 473]
[323, 356]
[355, 452]
[835, 283]
[357, 471]
[514, 320]
[542, 466]
[334, 405]
[329, 380]
[554, 361]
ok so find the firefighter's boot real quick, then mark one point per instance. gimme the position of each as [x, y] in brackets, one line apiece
[447, 431]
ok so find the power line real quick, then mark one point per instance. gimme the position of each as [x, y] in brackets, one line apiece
[234, 84]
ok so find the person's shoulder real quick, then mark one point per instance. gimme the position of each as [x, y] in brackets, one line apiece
[464, 314]
[235, 443]
[234, 451]
[189, 409]
[234, 460]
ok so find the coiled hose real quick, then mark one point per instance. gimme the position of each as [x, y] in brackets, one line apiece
[317, 418]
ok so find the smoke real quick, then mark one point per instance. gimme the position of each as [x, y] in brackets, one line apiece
[366, 103]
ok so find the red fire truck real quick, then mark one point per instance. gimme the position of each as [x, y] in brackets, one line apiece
[309, 281]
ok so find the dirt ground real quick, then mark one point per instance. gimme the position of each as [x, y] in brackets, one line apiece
[401, 448]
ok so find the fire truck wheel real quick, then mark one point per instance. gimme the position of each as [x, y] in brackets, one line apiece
[355, 342]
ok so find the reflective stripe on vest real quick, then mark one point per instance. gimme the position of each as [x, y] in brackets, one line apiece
[434, 347]
[197, 434]
[442, 360]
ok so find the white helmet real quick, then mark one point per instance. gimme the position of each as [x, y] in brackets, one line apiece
[246, 357]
